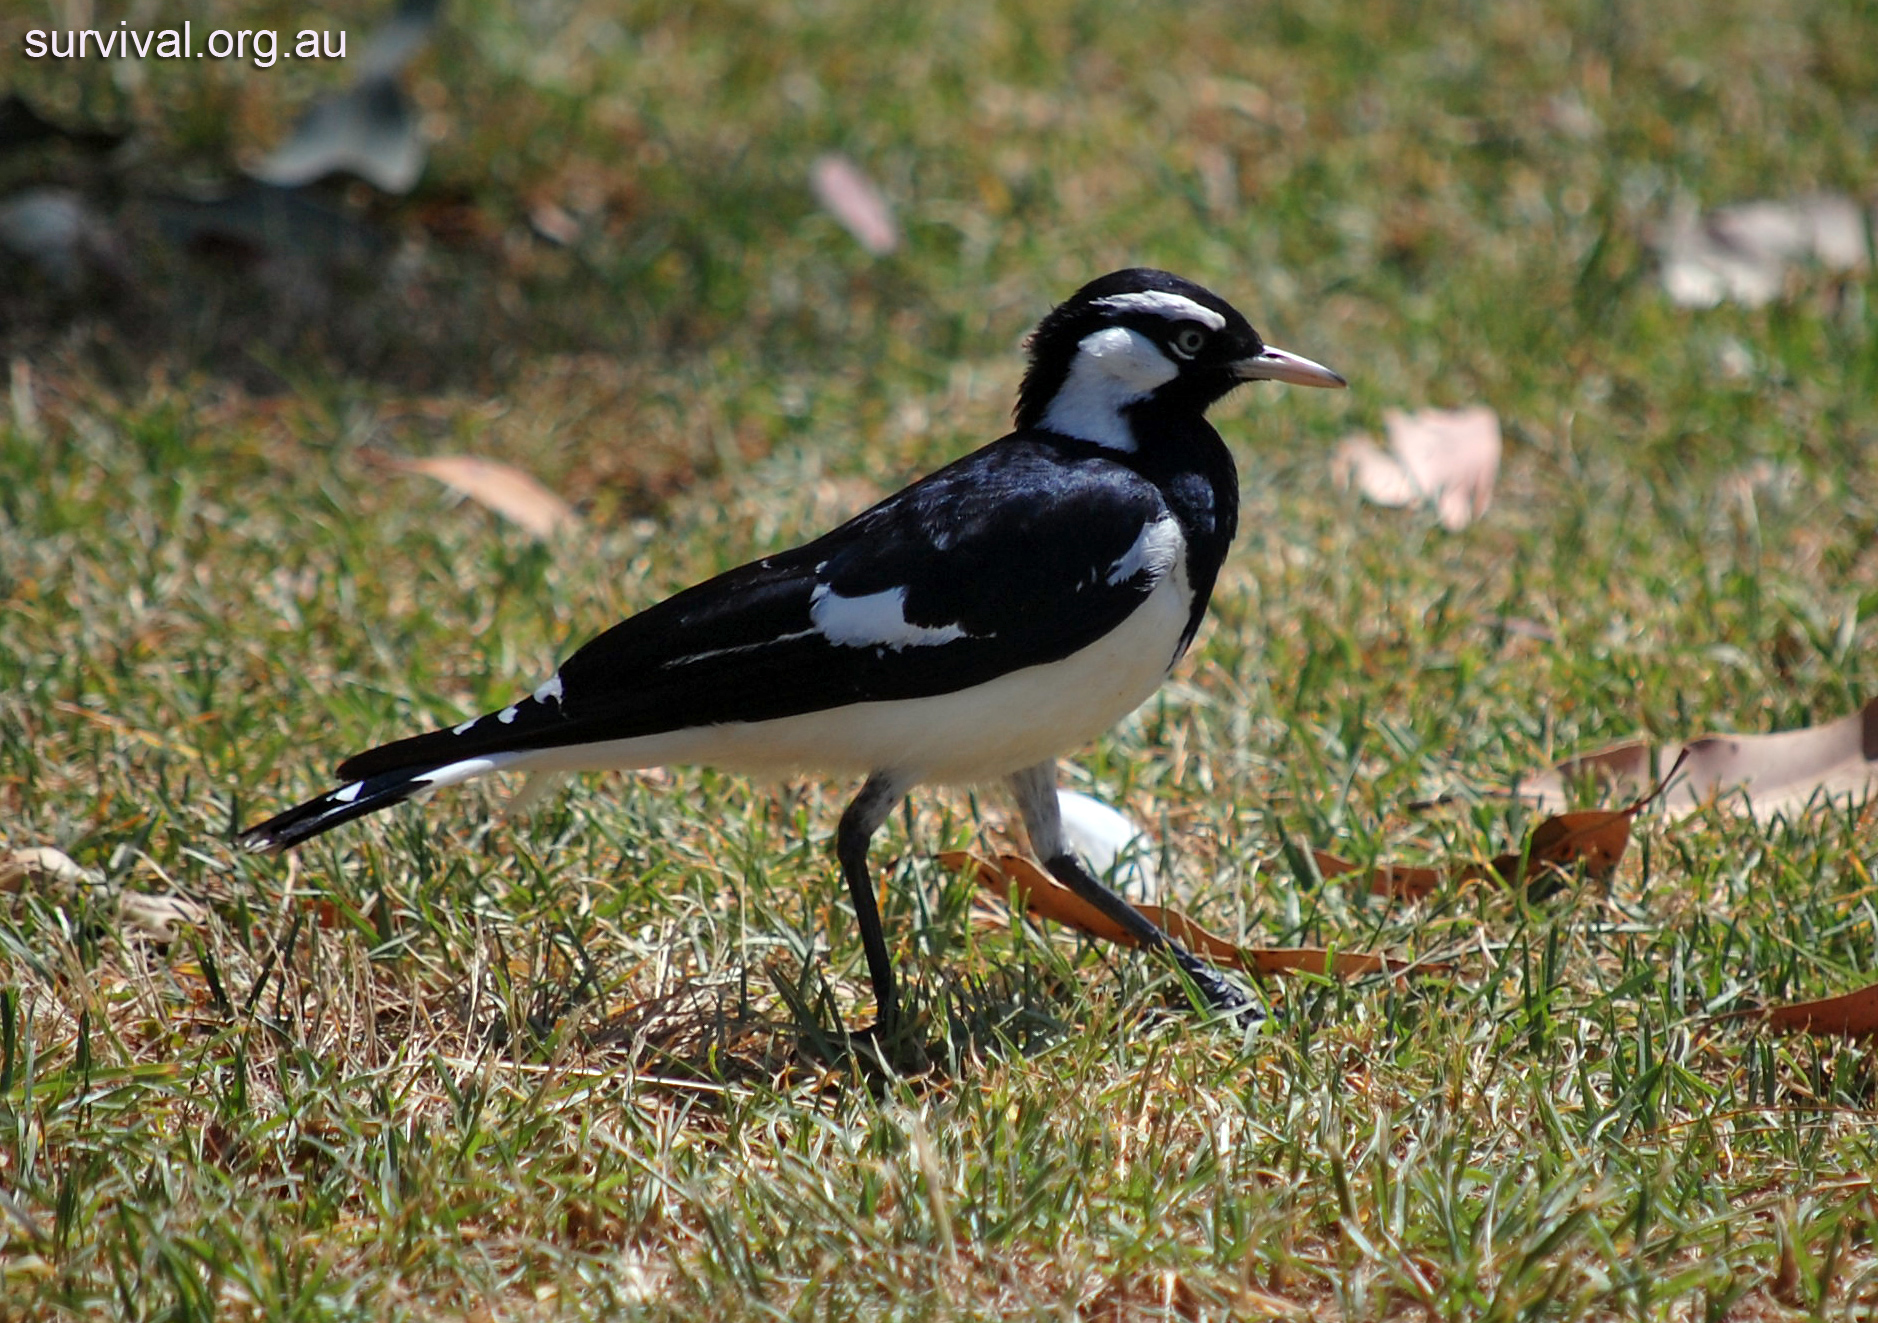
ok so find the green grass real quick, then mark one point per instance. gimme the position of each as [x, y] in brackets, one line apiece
[578, 1064]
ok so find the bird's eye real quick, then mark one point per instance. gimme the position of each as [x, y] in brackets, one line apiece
[1188, 341]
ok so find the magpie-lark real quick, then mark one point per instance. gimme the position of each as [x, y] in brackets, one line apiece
[974, 626]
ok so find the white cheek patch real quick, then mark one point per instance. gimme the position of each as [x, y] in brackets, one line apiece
[877, 620]
[1174, 307]
[1125, 357]
[1156, 550]
[1113, 368]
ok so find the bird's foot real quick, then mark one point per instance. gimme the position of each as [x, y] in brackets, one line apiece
[1221, 993]
[893, 1044]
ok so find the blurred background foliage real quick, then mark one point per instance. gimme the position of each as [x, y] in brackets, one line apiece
[1403, 181]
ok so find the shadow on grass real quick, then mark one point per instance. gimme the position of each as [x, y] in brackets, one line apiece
[709, 1032]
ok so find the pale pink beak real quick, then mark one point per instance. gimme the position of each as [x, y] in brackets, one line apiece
[1277, 365]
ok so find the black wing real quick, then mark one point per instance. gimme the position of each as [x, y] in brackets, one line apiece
[1006, 559]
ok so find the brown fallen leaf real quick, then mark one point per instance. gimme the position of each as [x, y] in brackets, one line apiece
[1592, 839]
[1047, 898]
[1444, 457]
[1775, 773]
[496, 486]
[1403, 881]
[851, 198]
[1850, 1015]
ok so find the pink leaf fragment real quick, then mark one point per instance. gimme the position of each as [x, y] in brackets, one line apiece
[503, 488]
[851, 198]
[1445, 457]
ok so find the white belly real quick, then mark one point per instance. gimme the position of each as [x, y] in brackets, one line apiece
[977, 734]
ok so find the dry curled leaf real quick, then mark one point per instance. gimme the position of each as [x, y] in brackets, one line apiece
[503, 488]
[1444, 457]
[1772, 774]
[138, 915]
[42, 863]
[156, 917]
[1045, 897]
[1850, 1015]
[851, 198]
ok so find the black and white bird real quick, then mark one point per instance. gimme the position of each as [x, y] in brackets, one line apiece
[972, 627]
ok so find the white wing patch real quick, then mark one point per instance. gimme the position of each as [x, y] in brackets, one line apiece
[550, 691]
[877, 620]
[1156, 550]
[1112, 369]
[1174, 307]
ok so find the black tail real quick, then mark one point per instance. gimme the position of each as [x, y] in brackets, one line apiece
[305, 821]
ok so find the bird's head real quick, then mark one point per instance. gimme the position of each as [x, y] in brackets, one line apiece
[1140, 339]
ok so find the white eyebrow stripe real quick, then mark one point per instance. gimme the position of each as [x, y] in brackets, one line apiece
[1174, 307]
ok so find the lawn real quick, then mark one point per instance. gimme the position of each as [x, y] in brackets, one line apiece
[589, 1062]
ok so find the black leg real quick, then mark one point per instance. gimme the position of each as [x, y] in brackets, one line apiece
[1035, 789]
[858, 824]
[1218, 990]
